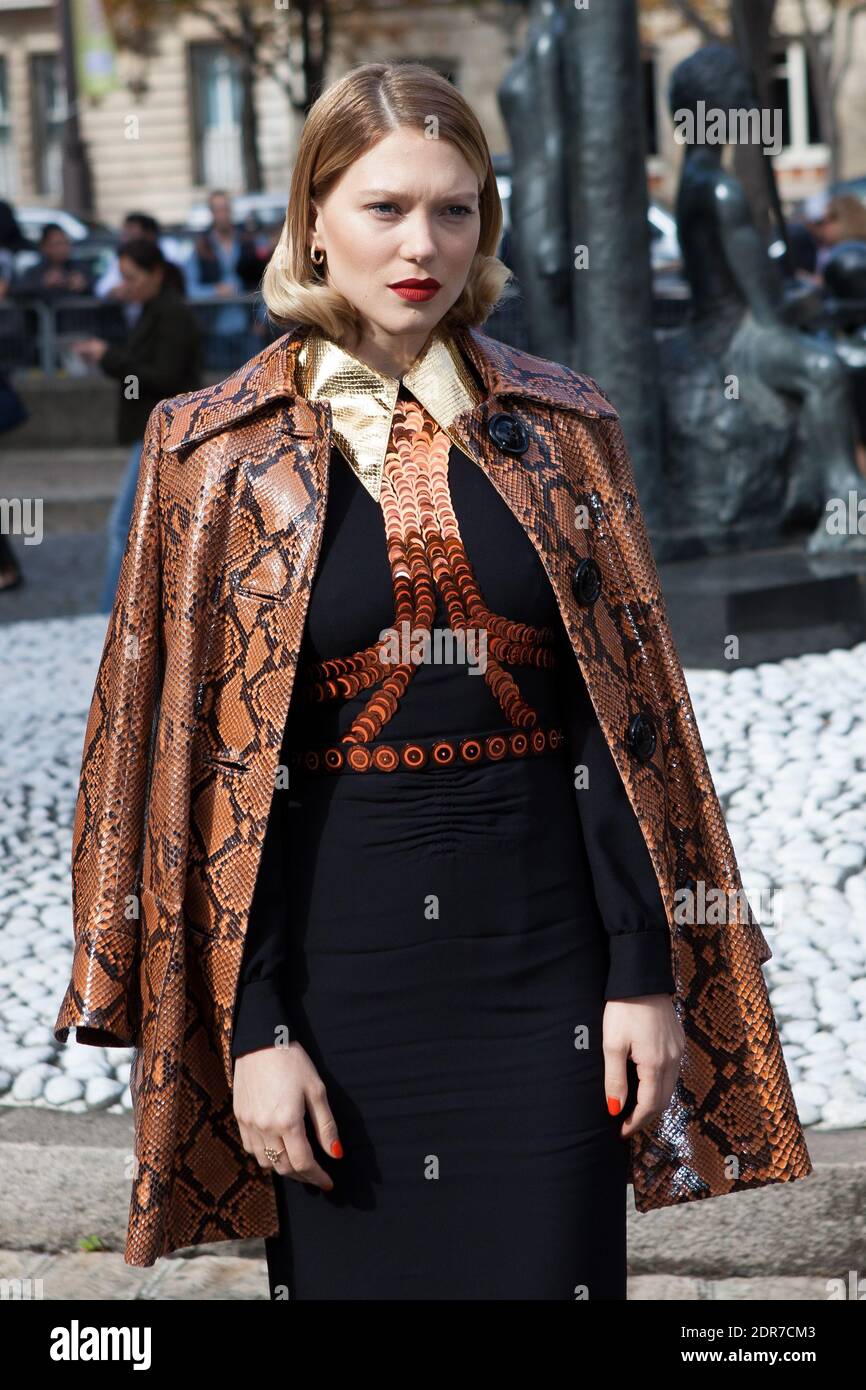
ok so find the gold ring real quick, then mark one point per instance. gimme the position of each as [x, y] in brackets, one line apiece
[273, 1154]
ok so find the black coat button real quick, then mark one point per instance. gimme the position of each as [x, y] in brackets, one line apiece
[508, 433]
[641, 737]
[586, 581]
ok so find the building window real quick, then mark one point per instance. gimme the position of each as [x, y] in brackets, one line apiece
[48, 114]
[8, 172]
[791, 92]
[216, 116]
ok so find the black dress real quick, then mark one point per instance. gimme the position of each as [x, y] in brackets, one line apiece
[442, 942]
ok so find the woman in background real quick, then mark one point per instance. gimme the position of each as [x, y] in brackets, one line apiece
[12, 239]
[161, 355]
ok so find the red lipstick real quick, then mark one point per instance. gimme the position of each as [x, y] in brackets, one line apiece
[416, 291]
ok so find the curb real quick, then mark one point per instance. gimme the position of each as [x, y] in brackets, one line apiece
[76, 486]
[104, 1277]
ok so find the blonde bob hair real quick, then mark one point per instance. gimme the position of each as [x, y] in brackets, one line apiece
[343, 124]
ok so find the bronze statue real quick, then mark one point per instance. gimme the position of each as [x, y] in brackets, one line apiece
[580, 237]
[738, 337]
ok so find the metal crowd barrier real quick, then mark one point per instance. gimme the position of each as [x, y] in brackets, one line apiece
[38, 333]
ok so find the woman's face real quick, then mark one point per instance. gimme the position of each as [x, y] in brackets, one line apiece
[407, 209]
[140, 284]
[56, 246]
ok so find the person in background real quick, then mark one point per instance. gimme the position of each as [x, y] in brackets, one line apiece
[813, 215]
[267, 235]
[111, 284]
[831, 220]
[846, 219]
[802, 246]
[162, 354]
[10, 570]
[12, 239]
[225, 262]
[55, 275]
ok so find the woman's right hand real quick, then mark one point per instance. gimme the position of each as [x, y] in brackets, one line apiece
[273, 1088]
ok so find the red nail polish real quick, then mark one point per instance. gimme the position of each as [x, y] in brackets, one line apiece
[613, 1105]
[337, 1149]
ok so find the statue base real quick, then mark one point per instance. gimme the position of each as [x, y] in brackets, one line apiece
[779, 602]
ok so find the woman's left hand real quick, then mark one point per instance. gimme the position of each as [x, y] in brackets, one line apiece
[647, 1030]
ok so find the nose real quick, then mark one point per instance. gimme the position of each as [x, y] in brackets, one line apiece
[419, 243]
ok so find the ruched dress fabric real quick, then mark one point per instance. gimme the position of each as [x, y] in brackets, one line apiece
[442, 942]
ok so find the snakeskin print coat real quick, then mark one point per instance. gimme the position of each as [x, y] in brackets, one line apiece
[182, 746]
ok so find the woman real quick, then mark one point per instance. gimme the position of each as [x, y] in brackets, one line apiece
[55, 275]
[160, 357]
[12, 330]
[398, 963]
[462, 996]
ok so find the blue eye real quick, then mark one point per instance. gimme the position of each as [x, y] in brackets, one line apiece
[460, 208]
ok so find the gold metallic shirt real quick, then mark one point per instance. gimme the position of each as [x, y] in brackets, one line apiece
[362, 399]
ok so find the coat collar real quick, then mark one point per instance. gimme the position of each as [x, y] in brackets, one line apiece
[502, 370]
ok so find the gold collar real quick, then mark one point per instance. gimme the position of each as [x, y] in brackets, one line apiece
[362, 399]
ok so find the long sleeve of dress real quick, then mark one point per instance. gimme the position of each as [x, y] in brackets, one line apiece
[626, 887]
[260, 1005]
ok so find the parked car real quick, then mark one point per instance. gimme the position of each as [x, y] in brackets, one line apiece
[665, 252]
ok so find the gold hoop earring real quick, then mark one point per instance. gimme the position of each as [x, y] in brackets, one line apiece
[317, 259]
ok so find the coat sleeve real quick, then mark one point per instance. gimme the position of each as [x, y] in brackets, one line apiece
[624, 881]
[261, 1000]
[102, 1000]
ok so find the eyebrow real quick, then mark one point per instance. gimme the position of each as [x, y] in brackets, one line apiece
[388, 193]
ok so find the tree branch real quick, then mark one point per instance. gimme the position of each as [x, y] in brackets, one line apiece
[812, 30]
[698, 22]
[216, 21]
[846, 54]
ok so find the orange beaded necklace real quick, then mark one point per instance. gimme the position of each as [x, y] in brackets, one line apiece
[426, 552]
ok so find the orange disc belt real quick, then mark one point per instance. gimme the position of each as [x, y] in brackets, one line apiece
[418, 753]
